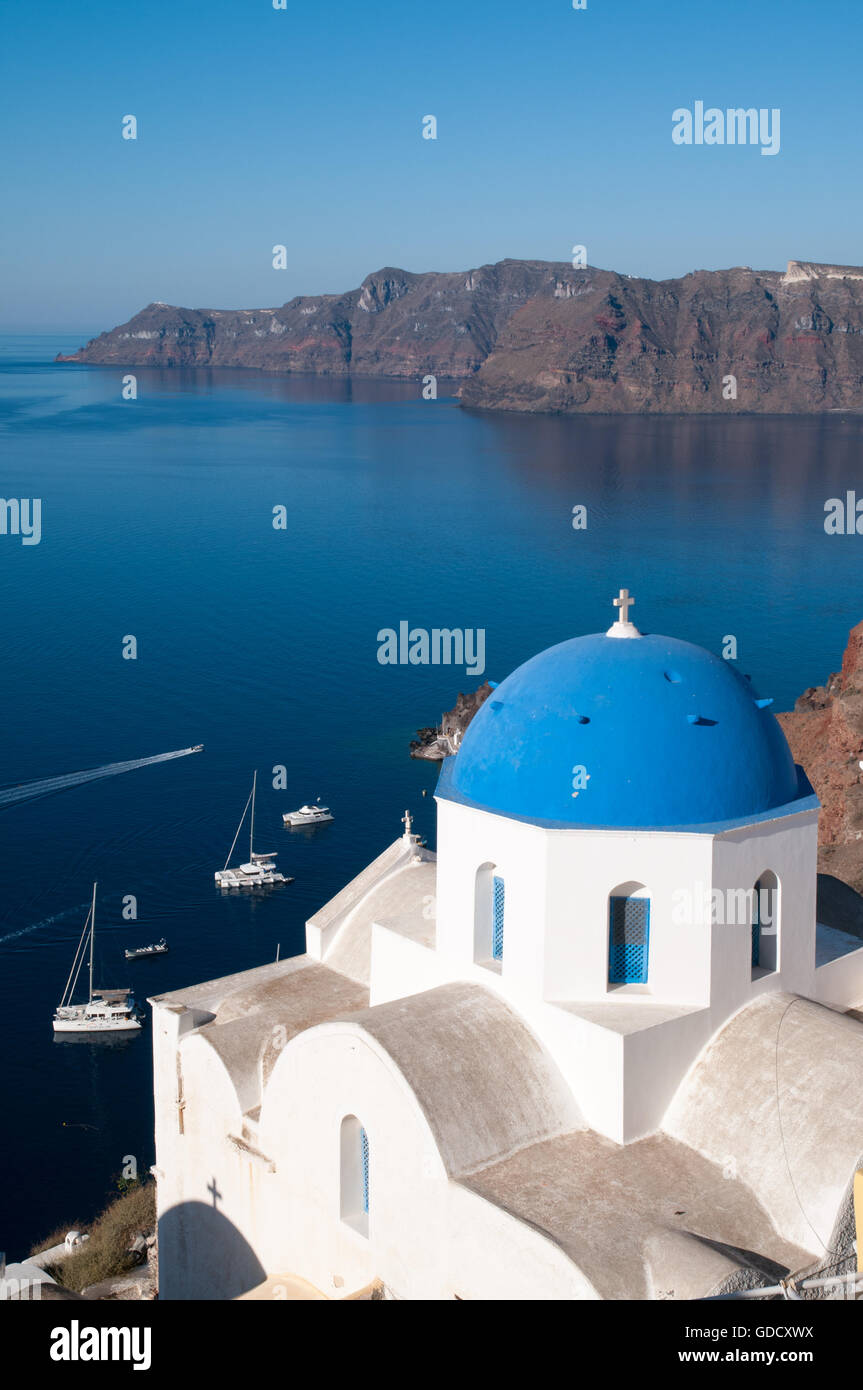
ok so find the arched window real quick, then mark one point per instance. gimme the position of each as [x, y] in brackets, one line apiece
[489, 911]
[364, 1160]
[765, 923]
[498, 902]
[354, 1175]
[628, 934]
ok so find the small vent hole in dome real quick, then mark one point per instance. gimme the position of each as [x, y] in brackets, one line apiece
[672, 677]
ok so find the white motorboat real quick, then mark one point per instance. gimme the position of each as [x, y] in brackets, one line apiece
[106, 1010]
[309, 815]
[260, 869]
[158, 948]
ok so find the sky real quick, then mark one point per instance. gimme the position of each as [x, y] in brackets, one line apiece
[303, 127]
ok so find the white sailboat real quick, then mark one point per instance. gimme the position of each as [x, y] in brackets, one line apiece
[260, 870]
[106, 1010]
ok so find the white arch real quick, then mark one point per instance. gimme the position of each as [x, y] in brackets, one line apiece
[623, 961]
[766, 904]
[354, 1174]
[483, 912]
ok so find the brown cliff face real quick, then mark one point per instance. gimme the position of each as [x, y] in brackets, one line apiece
[541, 336]
[626, 345]
[825, 731]
[396, 324]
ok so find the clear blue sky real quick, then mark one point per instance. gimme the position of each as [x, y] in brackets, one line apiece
[303, 127]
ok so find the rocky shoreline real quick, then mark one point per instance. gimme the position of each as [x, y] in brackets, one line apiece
[439, 741]
[545, 337]
[825, 731]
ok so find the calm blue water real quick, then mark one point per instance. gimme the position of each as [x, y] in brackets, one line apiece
[261, 644]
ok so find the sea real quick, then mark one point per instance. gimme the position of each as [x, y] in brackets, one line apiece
[261, 642]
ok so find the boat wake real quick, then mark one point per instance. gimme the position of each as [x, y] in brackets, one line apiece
[46, 786]
[48, 922]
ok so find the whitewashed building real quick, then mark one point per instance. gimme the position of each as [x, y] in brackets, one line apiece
[598, 1046]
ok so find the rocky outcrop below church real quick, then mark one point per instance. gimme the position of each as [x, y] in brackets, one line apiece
[825, 731]
[438, 741]
[542, 336]
[112, 1258]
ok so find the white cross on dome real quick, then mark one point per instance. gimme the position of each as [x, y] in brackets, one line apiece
[623, 627]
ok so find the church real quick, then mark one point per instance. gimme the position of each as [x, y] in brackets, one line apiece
[598, 1046]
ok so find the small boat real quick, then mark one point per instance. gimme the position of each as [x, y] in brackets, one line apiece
[260, 870]
[158, 948]
[106, 1010]
[309, 815]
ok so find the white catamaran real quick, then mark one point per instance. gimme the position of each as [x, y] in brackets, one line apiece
[260, 871]
[106, 1010]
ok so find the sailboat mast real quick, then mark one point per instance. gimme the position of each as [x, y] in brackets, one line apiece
[252, 821]
[92, 934]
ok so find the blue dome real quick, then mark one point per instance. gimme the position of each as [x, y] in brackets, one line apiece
[668, 734]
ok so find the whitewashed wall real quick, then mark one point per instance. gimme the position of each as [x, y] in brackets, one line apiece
[467, 1248]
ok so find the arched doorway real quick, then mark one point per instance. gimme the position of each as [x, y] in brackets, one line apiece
[765, 923]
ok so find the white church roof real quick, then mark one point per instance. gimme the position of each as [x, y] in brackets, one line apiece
[654, 1219]
[780, 1088]
[247, 1025]
[485, 1085]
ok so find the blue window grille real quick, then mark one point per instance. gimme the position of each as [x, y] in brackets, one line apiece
[364, 1146]
[756, 928]
[498, 896]
[629, 935]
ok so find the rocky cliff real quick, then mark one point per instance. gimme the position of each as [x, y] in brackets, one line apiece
[825, 731]
[541, 336]
[396, 324]
[438, 742]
